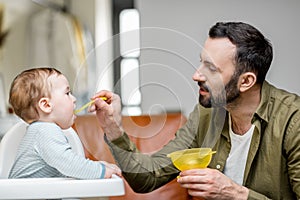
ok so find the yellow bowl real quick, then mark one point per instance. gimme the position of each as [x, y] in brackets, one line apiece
[191, 158]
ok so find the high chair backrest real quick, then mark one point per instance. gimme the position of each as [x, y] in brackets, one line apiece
[8, 147]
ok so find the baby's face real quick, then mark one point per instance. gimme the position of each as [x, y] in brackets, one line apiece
[62, 101]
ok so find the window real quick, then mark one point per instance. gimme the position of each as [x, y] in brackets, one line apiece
[129, 66]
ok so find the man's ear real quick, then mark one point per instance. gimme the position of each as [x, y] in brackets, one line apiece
[246, 81]
[45, 105]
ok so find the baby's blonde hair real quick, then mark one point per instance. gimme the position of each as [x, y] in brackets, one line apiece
[27, 89]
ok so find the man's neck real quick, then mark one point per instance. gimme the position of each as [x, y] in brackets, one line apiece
[243, 109]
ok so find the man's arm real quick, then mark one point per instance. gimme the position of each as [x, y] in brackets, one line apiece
[143, 172]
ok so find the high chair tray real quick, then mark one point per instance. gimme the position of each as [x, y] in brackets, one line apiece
[53, 188]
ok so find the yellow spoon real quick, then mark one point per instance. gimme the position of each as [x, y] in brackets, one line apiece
[87, 105]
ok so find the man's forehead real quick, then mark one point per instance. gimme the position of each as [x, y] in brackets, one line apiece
[217, 48]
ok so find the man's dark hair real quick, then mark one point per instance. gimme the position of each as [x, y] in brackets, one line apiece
[254, 51]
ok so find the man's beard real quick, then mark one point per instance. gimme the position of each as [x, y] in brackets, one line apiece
[222, 97]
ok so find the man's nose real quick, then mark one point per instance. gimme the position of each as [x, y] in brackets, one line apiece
[199, 75]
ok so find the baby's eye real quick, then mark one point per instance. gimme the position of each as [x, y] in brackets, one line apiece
[68, 93]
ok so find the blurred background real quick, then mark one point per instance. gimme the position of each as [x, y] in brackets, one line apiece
[144, 50]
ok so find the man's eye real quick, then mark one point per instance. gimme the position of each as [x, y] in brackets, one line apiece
[211, 67]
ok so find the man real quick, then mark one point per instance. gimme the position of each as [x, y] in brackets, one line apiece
[253, 126]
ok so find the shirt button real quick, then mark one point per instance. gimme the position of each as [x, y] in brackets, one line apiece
[218, 166]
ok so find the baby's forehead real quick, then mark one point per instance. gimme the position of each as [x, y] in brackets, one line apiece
[54, 77]
[58, 80]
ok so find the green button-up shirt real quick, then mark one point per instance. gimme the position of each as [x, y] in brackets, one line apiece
[273, 164]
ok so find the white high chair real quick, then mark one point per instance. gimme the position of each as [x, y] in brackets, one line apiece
[49, 188]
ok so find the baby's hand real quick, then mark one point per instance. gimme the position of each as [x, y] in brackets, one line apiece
[111, 169]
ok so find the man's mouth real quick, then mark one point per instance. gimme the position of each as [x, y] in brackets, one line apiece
[203, 88]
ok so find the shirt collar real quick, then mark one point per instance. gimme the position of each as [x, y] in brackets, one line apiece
[265, 100]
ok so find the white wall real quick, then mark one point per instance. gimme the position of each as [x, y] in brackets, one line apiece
[166, 78]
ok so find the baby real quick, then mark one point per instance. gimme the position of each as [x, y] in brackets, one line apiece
[42, 98]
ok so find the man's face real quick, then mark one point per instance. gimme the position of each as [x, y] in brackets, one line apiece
[216, 78]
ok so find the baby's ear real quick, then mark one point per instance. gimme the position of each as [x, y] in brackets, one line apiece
[45, 105]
